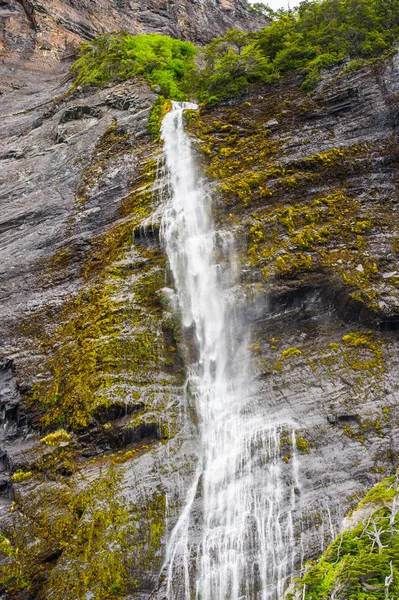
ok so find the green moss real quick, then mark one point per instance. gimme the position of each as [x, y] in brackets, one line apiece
[302, 444]
[98, 554]
[289, 352]
[107, 336]
[21, 475]
[362, 351]
[113, 143]
[355, 562]
[77, 536]
[361, 226]
[395, 244]
[54, 439]
[56, 267]
[291, 232]
[334, 346]
[93, 327]
[288, 264]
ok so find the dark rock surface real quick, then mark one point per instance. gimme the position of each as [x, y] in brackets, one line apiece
[73, 176]
[14, 426]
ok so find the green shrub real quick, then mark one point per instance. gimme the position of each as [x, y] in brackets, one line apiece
[321, 32]
[160, 59]
[315, 35]
[363, 561]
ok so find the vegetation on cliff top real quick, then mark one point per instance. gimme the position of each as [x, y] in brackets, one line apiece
[363, 562]
[317, 34]
[313, 36]
[320, 33]
[160, 59]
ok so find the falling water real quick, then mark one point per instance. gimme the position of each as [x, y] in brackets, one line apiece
[241, 547]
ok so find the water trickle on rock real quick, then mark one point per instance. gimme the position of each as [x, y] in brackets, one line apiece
[242, 546]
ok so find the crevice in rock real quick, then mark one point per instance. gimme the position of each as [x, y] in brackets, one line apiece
[73, 113]
[116, 411]
[347, 418]
[29, 10]
[323, 297]
[16, 154]
[389, 325]
[132, 434]
[147, 236]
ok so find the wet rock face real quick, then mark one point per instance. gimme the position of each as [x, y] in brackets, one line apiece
[85, 314]
[309, 185]
[76, 189]
[12, 419]
[45, 149]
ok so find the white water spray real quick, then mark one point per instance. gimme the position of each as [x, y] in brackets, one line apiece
[241, 543]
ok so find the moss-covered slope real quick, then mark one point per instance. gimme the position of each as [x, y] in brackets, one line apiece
[363, 562]
[309, 183]
[97, 358]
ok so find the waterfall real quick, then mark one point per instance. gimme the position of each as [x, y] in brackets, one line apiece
[234, 538]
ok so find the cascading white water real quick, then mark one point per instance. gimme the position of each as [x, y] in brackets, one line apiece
[242, 548]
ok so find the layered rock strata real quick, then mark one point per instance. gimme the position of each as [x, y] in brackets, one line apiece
[308, 186]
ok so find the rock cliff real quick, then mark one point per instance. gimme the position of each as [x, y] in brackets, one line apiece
[53, 28]
[309, 186]
[92, 355]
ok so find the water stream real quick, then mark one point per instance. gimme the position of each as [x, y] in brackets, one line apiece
[234, 538]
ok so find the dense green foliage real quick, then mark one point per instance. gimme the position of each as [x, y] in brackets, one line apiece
[317, 34]
[363, 562]
[313, 36]
[231, 63]
[161, 59]
[320, 33]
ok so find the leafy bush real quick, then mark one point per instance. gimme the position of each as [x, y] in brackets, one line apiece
[315, 35]
[160, 59]
[319, 33]
[231, 64]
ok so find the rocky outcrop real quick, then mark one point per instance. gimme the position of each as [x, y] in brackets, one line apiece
[89, 339]
[52, 28]
[308, 184]
[87, 333]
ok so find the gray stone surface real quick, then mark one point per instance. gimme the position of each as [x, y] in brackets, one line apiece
[54, 27]
[348, 417]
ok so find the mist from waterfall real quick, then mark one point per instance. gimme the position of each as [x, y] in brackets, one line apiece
[238, 542]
